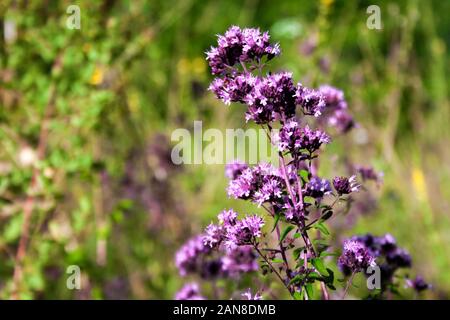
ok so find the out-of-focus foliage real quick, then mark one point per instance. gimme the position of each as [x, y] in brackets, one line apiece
[86, 117]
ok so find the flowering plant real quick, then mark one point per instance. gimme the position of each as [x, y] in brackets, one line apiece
[296, 199]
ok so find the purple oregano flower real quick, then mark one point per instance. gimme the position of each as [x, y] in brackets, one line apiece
[294, 117]
[356, 257]
[344, 185]
[190, 291]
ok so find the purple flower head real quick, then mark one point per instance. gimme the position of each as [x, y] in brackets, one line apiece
[294, 215]
[190, 291]
[256, 45]
[399, 258]
[239, 45]
[390, 256]
[188, 256]
[344, 185]
[227, 217]
[370, 242]
[234, 169]
[248, 295]
[239, 260]
[252, 224]
[233, 89]
[418, 284]
[335, 110]
[387, 243]
[310, 100]
[261, 183]
[213, 235]
[243, 232]
[369, 173]
[355, 257]
[333, 97]
[342, 121]
[311, 140]
[271, 99]
[377, 246]
[317, 187]
[293, 138]
[243, 186]
[271, 190]
[227, 53]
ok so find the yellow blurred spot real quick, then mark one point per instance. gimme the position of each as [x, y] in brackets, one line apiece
[97, 76]
[438, 46]
[133, 101]
[86, 47]
[183, 66]
[419, 184]
[326, 3]
[198, 66]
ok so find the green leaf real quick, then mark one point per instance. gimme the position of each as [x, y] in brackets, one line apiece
[308, 199]
[318, 264]
[285, 232]
[310, 290]
[297, 235]
[304, 174]
[296, 253]
[300, 263]
[332, 287]
[327, 214]
[328, 254]
[277, 218]
[329, 280]
[277, 260]
[322, 228]
[298, 295]
[314, 276]
[13, 229]
[298, 278]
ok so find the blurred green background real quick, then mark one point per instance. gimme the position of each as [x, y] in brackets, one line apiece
[86, 117]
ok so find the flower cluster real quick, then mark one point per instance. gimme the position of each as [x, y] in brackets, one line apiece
[188, 256]
[234, 89]
[240, 45]
[317, 187]
[196, 257]
[234, 169]
[418, 284]
[189, 291]
[312, 101]
[355, 257]
[344, 185]
[271, 99]
[293, 193]
[239, 260]
[296, 139]
[335, 109]
[390, 257]
[261, 183]
[268, 98]
[249, 296]
[233, 232]
[386, 247]
[369, 173]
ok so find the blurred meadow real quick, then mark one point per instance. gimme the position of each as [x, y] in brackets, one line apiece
[86, 118]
